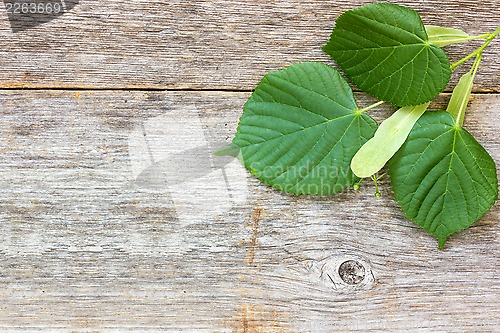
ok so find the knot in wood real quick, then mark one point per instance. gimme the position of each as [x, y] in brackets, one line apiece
[343, 272]
[352, 272]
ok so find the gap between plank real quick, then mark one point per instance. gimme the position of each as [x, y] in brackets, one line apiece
[159, 89]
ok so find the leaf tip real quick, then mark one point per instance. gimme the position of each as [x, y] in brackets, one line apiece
[442, 234]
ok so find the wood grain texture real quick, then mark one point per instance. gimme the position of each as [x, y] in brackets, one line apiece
[217, 44]
[115, 217]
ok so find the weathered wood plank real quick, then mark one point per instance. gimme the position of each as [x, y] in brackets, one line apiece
[115, 217]
[221, 44]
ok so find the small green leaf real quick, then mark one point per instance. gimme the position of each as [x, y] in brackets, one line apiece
[441, 36]
[442, 177]
[300, 129]
[389, 137]
[384, 49]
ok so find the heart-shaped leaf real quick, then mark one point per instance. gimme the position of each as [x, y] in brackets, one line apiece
[300, 129]
[384, 49]
[442, 177]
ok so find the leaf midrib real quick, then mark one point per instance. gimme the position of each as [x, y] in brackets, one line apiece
[323, 158]
[308, 90]
[297, 131]
[431, 226]
[422, 154]
[446, 191]
[378, 47]
[392, 26]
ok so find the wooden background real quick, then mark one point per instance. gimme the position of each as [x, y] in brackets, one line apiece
[115, 216]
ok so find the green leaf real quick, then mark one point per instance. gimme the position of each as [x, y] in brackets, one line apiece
[389, 137]
[385, 51]
[300, 129]
[442, 177]
[441, 36]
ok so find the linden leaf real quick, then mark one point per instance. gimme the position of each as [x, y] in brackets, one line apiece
[443, 179]
[300, 129]
[385, 51]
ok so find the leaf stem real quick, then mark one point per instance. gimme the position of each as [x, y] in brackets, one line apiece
[356, 185]
[369, 107]
[459, 119]
[483, 36]
[375, 179]
[464, 39]
[464, 59]
[489, 38]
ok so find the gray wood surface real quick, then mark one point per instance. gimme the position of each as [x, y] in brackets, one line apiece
[116, 217]
[216, 44]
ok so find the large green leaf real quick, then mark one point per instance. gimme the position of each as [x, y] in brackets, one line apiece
[442, 177]
[300, 129]
[384, 49]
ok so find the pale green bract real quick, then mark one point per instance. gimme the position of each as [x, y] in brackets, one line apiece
[441, 36]
[388, 138]
[300, 129]
[442, 177]
[384, 50]
[460, 97]
[462, 92]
